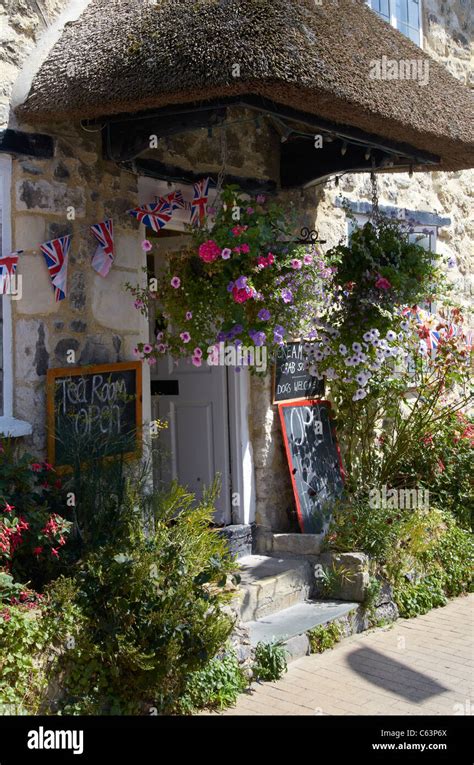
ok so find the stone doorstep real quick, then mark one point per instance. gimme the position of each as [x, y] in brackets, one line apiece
[291, 624]
[271, 584]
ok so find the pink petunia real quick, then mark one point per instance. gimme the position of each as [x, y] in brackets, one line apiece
[382, 283]
[176, 282]
[189, 315]
[197, 352]
[308, 259]
[197, 361]
[209, 251]
[226, 253]
[147, 348]
[146, 245]
[244, 248]
[185, 337]
[296, 264]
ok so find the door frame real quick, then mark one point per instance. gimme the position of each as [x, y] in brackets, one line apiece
[242, 484]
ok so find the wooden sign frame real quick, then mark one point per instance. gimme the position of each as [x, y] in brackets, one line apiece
[53, 374]
[277, 402]
[305, 402]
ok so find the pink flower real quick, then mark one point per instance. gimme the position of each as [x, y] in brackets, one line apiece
[8, 508]
[250, 211]
[146, 245]
[138, 304]
[147, 348]
[226, 253]
[161, 348]
[197, 352]
[136, 353]
[54, 552]
[270, 258]
[382, 283]
[197, 361]
[176, 282]
[36, 467]
[37, 550]
[308, 259]
[189, 315]
[209, 251]
[244, 248]
[238, 230]
[260, 199]
[47, 466]
[242, 295]
[185, 337]
[151, 361]
[296, 264]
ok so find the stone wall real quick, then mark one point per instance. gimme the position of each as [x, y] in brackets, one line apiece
[96, 320]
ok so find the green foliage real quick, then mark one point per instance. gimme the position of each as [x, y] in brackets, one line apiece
[33, 530]
[453, 554]
[375, 251]
[150, 609]
[270, 661]
[22, 638]
[324, 637]
[417, 598]
[216, 686]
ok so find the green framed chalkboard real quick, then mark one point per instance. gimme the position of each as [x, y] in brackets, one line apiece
[99, 406]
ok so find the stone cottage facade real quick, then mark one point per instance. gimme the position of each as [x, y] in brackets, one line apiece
[44, 197]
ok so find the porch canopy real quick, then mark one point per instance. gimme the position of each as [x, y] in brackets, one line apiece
[311, 66]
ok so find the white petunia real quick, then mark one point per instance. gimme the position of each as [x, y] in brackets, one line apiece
[342, 349]
[356, 347]
[391, 335]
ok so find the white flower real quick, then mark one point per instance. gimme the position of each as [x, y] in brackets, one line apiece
[313, 370]
[349, 362]
[387, 352]
[391, 335]
[376, 343]
[318, 356]
[375, 332]
[331, 374]
[380, 354]
[375, 366]
[342, 349]
[361, 358]
[347, 379]
[383, 344]
[359, 394]
[368, 336]
[422, 348]
[356, 347]
[400, 337]
[405, 326]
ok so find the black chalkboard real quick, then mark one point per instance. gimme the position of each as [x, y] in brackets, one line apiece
[314, 461]
[291, 380]
[93, 412]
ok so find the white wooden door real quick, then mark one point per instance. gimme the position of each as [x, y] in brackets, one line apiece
[194, 402]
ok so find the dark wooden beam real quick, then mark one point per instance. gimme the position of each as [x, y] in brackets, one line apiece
[128, 137]
[26, 144]
[154, 169]
[302, 163]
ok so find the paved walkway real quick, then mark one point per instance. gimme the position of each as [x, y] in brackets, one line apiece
[417, 666]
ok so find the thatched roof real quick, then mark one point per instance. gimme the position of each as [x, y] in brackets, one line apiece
[134, 55]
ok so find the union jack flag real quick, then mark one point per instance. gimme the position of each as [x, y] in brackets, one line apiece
[175, 199]
[433, 339]
[104, 255]
[8, 264]
[56, 256]
[199, 203]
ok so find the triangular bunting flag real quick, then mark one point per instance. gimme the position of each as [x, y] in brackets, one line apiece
[104, 255]
[199, 203]
[8, 264]
[56, 256]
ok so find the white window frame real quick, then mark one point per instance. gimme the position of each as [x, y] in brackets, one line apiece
[394, 21]
[9, 425]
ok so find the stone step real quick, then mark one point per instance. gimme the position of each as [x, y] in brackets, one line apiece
[291, 624]
[271, 584]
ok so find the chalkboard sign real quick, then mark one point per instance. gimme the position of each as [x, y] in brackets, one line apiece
[291, 380]
[314, 460]
[94, 412]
